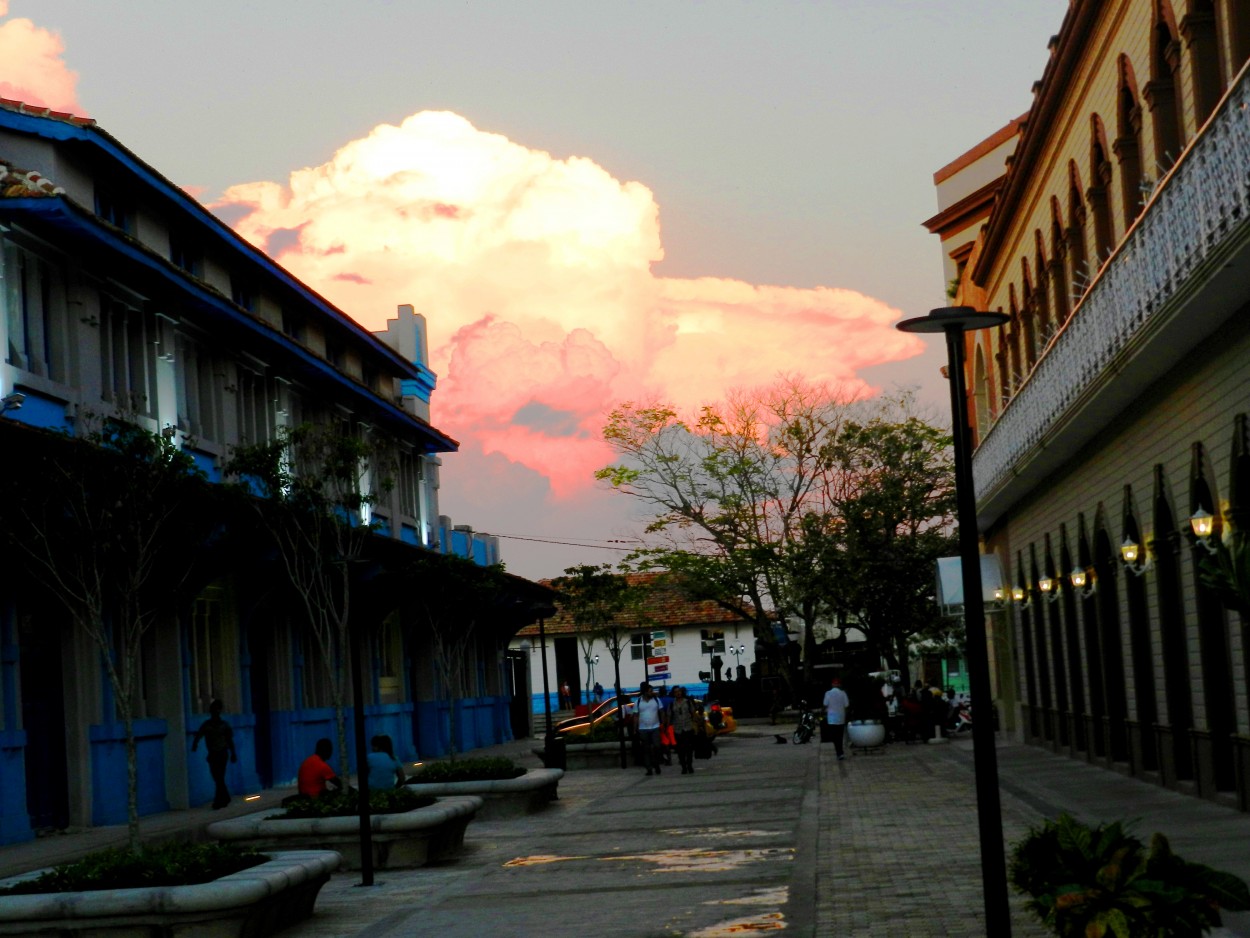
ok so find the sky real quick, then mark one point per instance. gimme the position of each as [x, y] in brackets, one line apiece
[591, 202]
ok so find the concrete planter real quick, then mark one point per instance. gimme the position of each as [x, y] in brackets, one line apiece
[503, 797]
[259, 901]
[400, 841]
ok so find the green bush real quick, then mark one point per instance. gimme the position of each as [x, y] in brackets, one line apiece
[347, 804]
[175, 864]
[1090, 882]
[466, 770]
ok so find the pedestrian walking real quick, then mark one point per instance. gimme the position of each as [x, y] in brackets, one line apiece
[651, 718]
[219, 742]
[681, 717]
[836, 703]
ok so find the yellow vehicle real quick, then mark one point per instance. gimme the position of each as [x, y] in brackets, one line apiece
[719, 719]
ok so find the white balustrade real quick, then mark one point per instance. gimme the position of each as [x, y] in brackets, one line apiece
[1199, 204]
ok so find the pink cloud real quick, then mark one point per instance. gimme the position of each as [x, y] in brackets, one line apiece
[535, 275]
[34, 71]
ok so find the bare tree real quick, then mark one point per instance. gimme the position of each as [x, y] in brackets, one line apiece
[111, 526]
[313, 489]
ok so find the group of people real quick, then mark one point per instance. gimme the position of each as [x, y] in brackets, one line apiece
[316, 776]
[681, 721]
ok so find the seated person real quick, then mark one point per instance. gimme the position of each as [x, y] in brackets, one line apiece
[385, 771]
[315, 775]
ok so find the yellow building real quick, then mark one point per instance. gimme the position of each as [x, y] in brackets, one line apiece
[1112, 224]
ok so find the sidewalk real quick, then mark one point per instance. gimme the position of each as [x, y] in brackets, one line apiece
[763, 835]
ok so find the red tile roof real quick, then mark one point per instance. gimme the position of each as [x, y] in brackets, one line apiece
[666, 606]
[25, 184]
[36, 111]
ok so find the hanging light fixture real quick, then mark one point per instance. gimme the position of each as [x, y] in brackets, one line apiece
[1130, 550]
[1079, 577]
[1202, 523]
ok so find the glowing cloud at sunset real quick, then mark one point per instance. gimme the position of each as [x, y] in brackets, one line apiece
[31, 67]
[535, 275]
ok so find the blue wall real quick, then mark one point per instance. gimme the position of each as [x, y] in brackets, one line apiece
[108, 770]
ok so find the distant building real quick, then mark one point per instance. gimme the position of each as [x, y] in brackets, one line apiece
[122, 296]
[1112, 224]
[701, 640]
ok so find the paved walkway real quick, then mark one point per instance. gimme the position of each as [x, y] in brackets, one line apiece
[764, 837]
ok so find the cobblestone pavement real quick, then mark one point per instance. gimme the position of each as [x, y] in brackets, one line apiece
[899, 845]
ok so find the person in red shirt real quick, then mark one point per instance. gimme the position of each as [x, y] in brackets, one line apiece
[315, 774]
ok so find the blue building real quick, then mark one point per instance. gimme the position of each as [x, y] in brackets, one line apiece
[121, 297]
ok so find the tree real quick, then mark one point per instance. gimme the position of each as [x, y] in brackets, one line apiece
[794, 501]
[594, 597]
[111, 526]
[731, 488]
[313, 489]
[454, 596]
[896, 519]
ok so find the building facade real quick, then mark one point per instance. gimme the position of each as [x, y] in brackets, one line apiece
[122, 298]
[672, 639]
[1111, 409]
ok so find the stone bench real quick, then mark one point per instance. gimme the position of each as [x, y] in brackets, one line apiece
[261, 900]
[400, 841]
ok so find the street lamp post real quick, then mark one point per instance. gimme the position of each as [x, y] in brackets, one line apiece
[953, 322]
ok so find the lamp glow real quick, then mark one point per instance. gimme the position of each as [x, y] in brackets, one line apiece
[1017, 594]
[1203, 523]
[1045, 584]
[1077, 578]
[1129, 550]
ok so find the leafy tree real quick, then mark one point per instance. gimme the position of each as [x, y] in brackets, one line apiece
[731, 488]
[313, 489]
[794, 501]
[454, 597]
[896, 519]
[111, 527]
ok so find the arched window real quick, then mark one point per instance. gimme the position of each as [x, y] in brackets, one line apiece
[1093, 648]
[1002, 358]
[981, 394]
[1237, 26]
[1098, 193]
[1175, 752]
[1058, 254]
[1133, 186]
[1041, 655]
[1144, 750]
[1072, 641]
[1079, 273]
[1107, 603]
[1046, 327]
[1166, 117]
[1032, 332]
[1054, 625]
[1217, 673]
[1200, 31]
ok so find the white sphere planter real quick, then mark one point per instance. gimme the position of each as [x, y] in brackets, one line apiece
[866, 734]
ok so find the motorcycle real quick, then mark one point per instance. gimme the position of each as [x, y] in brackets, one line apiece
[807, 725]
[960, 721]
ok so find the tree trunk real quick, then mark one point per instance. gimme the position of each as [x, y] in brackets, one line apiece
[132, 779]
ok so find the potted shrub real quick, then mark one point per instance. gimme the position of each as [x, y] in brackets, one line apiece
[1090, 882]
[169, 888]
[506, 789]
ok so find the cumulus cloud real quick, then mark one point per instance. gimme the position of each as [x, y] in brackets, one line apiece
[32, 69]
[535, 275]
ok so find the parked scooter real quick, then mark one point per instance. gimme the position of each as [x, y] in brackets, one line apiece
[960, 721]
[807, 724]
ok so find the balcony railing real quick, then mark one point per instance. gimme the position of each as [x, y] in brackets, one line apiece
[1197, 207]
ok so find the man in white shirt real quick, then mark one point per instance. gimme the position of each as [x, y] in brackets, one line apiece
[836, 703]
[651, 717]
